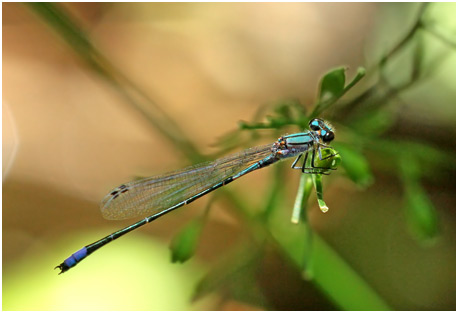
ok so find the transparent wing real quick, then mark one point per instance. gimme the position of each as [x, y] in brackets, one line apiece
[154, 194]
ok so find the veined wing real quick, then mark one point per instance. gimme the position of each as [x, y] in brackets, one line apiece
[154, 194]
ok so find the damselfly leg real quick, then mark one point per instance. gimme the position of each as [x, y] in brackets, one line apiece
[312, 169]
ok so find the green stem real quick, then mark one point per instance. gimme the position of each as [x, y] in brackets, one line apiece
[304, 191]
[70, 32]
[331, 273]
[316, 178]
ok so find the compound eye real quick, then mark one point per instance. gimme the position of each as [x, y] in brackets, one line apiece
[328, 137]
[315, 124]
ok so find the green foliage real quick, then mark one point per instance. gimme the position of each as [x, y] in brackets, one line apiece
[333, 87]
[303, 193]
[330, 158]
[421, 214]
[355, 164]
[184, 244]
[332, 84]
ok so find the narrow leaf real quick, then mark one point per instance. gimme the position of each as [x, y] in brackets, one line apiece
[303, 193]
[319, 192]
[332, 84]
[184, 244]
[332, 87]
[421, 214]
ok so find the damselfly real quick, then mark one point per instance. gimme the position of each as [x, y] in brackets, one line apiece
[159, 195]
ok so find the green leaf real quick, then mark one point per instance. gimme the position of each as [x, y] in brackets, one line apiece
[332, 87]
[184, 244]
[316, 178]
[421, 214]
[330, 158]
[332, 84]
[303, 193]
[355, 164]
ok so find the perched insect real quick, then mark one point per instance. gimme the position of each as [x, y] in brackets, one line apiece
[159, 195]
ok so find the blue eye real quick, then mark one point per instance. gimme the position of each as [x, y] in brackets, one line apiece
[315, 124]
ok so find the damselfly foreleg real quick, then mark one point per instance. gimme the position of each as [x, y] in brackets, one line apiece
[313, 169]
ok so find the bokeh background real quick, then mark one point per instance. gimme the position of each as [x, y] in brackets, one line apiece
[96, 94]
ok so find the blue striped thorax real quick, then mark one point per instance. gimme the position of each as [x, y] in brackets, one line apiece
[321, 133]
[291, 145]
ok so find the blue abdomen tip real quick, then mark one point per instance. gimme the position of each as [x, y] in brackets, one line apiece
[76, 257]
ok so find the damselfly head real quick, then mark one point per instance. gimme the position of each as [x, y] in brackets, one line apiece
[324, 130]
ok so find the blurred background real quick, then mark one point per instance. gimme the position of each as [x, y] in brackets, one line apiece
[97, 94]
